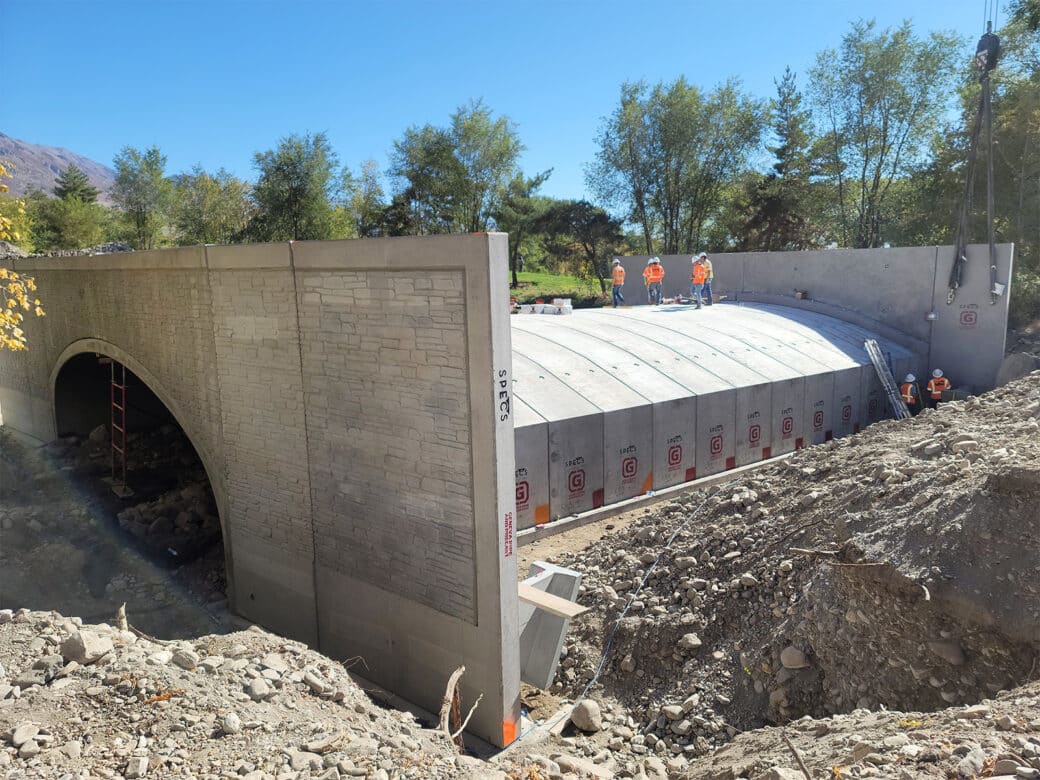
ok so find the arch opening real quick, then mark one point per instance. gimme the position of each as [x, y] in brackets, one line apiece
[160, 549]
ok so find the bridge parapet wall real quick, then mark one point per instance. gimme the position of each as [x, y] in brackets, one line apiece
[888, 291]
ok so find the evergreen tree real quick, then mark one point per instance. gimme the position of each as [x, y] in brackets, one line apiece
[73, 183]
[779, 218]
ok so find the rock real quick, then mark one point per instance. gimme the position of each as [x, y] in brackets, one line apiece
[793, 658]
[587, 716]
[85, 647]
[137, 766]
[259, 690]
[974, 712]
[231, 723]
[748, 580]
[315, 683]
[23, 733]
[73, 749]
[672, 711]
[185, 658]
[99, 435]
[786, 567]
[781, 773]
[690, 642]
[966, 445]
[971, 765]
[1005, 766]
[654, 769]
[950, 652]
[301, 759]
[583, 767]
[29, 749]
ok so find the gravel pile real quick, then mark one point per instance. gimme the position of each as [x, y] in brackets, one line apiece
[79, 701]
[894, 569]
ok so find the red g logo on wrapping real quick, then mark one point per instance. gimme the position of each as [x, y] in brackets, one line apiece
[715, 445]
[872, 405]
[629, 466]
[576, 481]
[817, 421]
[969, 318]
[846, 413]
[787, 426]
[523, 490]
[675, 455]
[754, 434]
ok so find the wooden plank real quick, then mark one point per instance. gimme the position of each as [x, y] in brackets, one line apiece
[548, 602]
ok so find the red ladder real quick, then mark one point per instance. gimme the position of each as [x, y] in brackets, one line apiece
[119, 486]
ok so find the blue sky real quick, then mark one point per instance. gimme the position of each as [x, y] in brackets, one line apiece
[213, 82]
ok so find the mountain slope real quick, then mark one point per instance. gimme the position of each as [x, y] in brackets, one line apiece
[36, 167]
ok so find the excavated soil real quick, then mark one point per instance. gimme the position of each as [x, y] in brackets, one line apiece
[894, 570]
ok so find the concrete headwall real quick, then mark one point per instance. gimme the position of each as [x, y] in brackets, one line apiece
[351, 402]
[887, 291]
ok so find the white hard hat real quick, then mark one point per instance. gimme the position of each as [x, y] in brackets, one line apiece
[616, 261]
[693, 259]
[649, 260]
[703, 254]
[910, 378]
[656, 260]
[937, 373]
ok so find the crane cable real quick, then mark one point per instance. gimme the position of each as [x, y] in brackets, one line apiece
[986, 54]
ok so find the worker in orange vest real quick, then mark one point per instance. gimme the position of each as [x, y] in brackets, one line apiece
[936, 386]
[653, 274]
[698, 278]
[911, 394]
[618, 273]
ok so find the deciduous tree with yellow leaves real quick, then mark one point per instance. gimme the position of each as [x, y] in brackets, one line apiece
[15, 292]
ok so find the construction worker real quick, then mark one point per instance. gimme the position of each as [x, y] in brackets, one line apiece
[911, 394]
[654, 276]
[698, 276]
[936, 386]
[617, 271]
[711, 275]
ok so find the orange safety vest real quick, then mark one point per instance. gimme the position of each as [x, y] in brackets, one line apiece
[654, 273]
[619, 275]
[699, 273]
[936, 385]
[909, 392]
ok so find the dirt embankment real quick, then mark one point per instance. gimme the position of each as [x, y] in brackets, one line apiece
[892, 570]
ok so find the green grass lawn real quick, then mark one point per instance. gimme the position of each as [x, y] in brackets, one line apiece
[582, 292]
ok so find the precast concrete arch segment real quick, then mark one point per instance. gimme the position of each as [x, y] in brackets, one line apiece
[701, 391]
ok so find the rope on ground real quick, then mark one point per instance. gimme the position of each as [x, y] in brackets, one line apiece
[617, 623]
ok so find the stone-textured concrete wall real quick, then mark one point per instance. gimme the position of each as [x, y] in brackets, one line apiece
[351, 403]
[887, 291]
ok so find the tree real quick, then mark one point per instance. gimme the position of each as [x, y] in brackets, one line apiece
[14, 221]
[583, 231]
[666, 154]
[65, 223]
[210, 209]
[143, 192]
[363, 200]
[518, 214]
[879, 99]
[293, 194]
[779, 207]
[454, 177]
[15, 289]
[73, 183]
